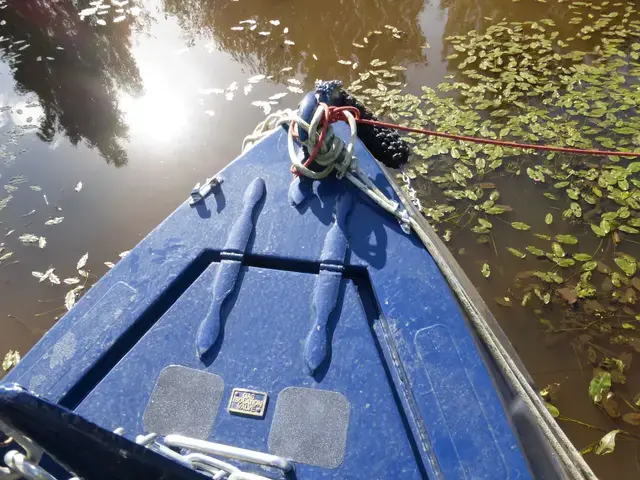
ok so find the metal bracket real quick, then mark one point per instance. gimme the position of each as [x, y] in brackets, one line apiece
[200, 192]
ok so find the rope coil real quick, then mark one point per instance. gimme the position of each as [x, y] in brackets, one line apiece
[327, 151]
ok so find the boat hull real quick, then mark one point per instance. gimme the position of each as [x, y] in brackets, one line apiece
[349, 352]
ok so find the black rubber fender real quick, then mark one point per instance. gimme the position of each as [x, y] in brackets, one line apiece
[384, 143]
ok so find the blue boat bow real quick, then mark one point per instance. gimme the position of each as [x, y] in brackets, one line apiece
[319, 333]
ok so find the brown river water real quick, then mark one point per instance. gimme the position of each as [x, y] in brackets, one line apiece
[129, 102]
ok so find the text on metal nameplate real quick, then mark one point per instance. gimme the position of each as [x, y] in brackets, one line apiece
[247, 402]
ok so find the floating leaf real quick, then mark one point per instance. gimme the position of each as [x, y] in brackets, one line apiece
[486, 270]
[564, 262]
[599, 386]
[535, 251]
[628, 229]
[485, 223]
[4, 201]
[71, 280]
[557, 249]
[632, 418]
[82, 262]
[70, 299]
[266, 106]
[463, 170]
[54, 221]
[535, 175]
[520, 226]
[548, 219]
[598, 230]
[569, 294]
[582, 257]
[552, 410]
[43, 276]
[516, 253]
[566, 239]
[504, 301]
[256, 78]
[607, 443]
[11, 359]
[278, 96]
[627, 264]
[611, 406]
[29, 238]
[495, 210]
[576, 210]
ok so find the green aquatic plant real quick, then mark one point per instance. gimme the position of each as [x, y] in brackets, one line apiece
[521, 81]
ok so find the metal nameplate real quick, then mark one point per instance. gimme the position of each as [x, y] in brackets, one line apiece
[247, 402]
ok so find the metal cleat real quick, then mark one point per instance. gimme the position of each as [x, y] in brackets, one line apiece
[200, 192]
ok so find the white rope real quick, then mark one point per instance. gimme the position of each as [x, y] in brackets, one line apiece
[333, 155]
[329, 157]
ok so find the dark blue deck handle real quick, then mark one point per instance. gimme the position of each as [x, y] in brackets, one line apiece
[82, 447]
[306, 110]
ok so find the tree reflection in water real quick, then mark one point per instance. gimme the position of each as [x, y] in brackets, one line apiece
[324, 29]
[78, 88]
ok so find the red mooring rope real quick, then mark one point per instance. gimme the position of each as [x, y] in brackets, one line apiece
[334, 114]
